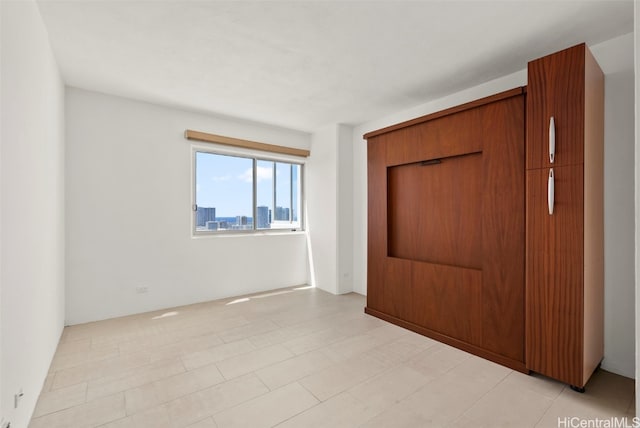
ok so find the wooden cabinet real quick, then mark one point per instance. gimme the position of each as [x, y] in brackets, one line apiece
[564, 222]
[489, 243]
[556, 90]
[446, 226]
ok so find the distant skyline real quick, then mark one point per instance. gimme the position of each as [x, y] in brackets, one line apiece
[225, 183]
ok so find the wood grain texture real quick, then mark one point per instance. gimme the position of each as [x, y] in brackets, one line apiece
[453, 110]
[377, 222]
[565, 252]
[448, 300]
[593, 217]
[503, 220]
[466, 284]
[246, 144]
[554, 274]
[434, 211]
[556, 88]
[397, 274]
[448, 136]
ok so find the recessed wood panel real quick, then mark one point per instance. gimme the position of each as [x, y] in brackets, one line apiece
[448, 300]
[554, 275]
[556, 88]
[434, 211]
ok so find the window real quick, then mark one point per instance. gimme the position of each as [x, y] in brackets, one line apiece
[235, 193]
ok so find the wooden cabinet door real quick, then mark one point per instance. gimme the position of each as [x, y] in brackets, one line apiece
[554, 274]
[556, 89]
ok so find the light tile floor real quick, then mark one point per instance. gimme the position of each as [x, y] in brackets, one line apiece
[295, 357]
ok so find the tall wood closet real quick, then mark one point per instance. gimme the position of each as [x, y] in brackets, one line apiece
[565, 216]
[481, 238]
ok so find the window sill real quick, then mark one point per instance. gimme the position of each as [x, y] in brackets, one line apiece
[204, 235]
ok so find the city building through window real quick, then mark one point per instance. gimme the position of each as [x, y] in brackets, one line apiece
[236, 193]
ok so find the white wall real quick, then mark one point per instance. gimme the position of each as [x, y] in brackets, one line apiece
[322, 205]
[616, 59]
[330, 184]
[129, 213]
[32, 200]
[344, 213]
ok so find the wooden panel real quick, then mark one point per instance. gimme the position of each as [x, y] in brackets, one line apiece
[556, 88]
[396, 293]
[447, 300]
[448, 136]
[434, 211]
[554, 274]
[377, 222]
[503, 235]
[593, 217]
[403, 202]
[401, 145]
[453, 110]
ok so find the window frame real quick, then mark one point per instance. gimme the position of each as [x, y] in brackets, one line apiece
[255, 157]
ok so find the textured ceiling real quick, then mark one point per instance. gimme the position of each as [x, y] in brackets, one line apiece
[305, 64]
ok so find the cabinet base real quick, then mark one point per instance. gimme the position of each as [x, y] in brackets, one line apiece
[472, 349]
[577, 389]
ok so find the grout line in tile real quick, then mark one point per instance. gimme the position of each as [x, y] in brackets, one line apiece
[261, 381]
[546, 410]
[309, 391]
[226, 379]
[184, 366]
[212, 415]
[485, 394]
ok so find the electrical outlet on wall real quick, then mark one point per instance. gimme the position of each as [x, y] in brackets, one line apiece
[16, 398]
[142, 289]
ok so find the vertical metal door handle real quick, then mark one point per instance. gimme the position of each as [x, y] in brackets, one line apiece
[551, 191]
[552, 139]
